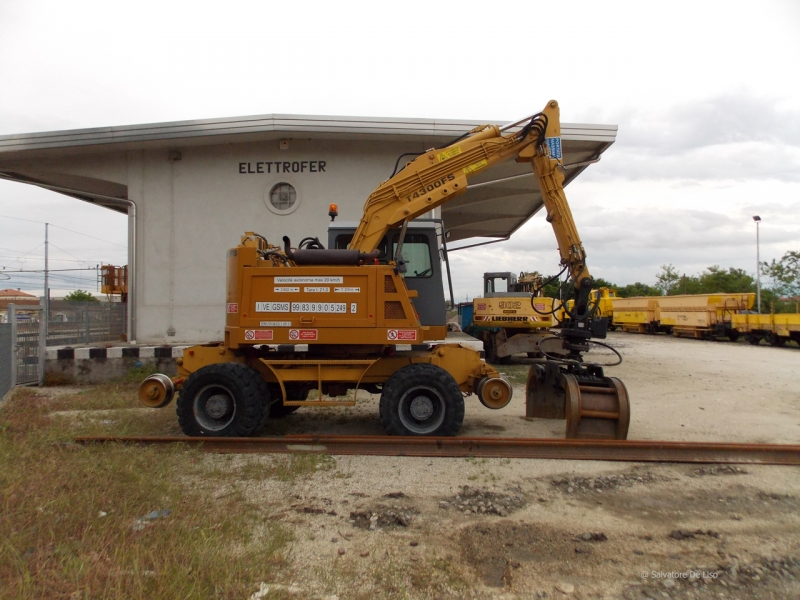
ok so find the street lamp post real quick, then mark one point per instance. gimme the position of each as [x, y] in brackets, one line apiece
[757, 219]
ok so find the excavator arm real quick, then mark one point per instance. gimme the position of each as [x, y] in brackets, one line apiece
[440, 175]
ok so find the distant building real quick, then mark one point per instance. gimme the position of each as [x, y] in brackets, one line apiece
[18, 298]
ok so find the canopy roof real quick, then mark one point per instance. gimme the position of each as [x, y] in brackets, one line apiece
[474, 214]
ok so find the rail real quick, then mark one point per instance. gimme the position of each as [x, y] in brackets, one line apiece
[559, 449]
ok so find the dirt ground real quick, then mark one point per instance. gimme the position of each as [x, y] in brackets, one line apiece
[447, 528]
[498, 528]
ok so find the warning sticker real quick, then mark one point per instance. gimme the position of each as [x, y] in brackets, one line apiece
[539, 306]
[323, 290]
[309, 280]
[554, 146]
[481, 307]
[302, 334]
[233, 307]
[406, 335]
[320, 307]
[258, 334]
[272, 307]
[449, 153]
[475, 166]
[347, 290]
[286, 289]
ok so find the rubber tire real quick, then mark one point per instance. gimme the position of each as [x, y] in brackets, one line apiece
[733, 335]
[248, 389]
[429, 376]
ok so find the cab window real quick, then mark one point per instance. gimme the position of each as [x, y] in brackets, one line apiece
[416, 254]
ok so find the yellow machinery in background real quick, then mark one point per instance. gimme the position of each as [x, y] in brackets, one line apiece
[602, 300]
[511, 320]
[776, 329]
[114, 281]
[337, 320]
[701, 316]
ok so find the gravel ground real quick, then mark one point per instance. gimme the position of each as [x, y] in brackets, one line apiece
[396, 527]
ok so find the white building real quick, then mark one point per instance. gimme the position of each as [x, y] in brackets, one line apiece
[191, 188]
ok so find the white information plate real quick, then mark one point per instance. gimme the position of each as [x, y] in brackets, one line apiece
[286, 289]
[317, 290]
[347, 290]
[272, 307]
[275, 324]
[320, 307]
[309, 280]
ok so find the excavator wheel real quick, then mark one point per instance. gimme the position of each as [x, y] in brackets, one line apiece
[597, 412]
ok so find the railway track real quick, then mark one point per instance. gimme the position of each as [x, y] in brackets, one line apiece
[605, 450]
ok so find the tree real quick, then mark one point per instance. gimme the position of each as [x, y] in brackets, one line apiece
[785, 274]
[80, 296]
[733, 281]
[637, 289]
[667, 278]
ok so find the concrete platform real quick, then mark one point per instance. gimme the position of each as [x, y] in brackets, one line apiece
[95, 364]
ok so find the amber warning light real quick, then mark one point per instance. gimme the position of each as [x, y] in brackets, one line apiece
[333, 211]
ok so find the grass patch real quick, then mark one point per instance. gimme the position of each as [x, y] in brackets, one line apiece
[69, 516]
[285, 467]
[516, 374]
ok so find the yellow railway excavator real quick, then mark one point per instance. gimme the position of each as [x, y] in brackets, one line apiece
[309, 326]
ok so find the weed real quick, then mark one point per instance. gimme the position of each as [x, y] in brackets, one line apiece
[69, 516]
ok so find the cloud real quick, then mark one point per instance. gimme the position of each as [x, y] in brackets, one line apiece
[735, 136]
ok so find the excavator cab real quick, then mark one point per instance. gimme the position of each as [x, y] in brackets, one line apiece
[499, 284]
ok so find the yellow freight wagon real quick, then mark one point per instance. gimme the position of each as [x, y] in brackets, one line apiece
[636, 315]
[702, 315]
[775, 329]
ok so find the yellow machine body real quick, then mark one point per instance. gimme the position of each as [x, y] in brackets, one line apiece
[513, 313]
[366, 305]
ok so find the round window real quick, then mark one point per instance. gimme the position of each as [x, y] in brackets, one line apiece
[283, 197]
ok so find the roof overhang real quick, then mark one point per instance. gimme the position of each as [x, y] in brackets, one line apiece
[497, 203]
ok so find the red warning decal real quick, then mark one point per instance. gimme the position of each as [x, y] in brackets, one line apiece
[404, 335]
[258, 334]
[233, 307]
[302, 335]
[481, 307]
[539, 305]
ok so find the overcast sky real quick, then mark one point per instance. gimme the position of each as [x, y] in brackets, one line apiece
[706, 96]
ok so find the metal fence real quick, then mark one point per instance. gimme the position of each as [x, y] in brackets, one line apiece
[74, 323]
[6, 362]
[27, 351]
[22, 357]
